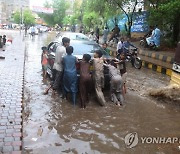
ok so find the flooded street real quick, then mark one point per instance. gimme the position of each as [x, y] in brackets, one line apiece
[53, 126]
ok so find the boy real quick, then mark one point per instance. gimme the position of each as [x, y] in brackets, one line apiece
[44, 61]
[98, 76]
[122, 68]
[85, 79]
[104, 46]
[70, 74]
[116, 84]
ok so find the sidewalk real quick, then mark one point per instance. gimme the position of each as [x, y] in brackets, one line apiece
[160, 61]
[11, 93]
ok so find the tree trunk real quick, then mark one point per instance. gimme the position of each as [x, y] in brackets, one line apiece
[176, 30]
[129, 31]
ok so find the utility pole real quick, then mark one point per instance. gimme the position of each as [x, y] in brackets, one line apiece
[21, 18]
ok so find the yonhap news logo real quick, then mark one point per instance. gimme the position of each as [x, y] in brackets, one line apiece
[132, 139]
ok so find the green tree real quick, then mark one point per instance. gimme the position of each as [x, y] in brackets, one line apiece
[128, 7]
[166, 15]
[66, 20]
[27, 17]
[103, 9]
[76, 17]
[17, 17]
[92, 13]
[90, 19]
[60, 7]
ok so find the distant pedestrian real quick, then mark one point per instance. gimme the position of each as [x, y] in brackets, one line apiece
[105, 34]
[98, 76]
[32, 29]
[70, 74]
[97, 34]
[81, 29]
[85, 80]
[92, 37]
[26, 28]
[44, 62]
[115, 32]
[58, 66]
[1, 42]
[4, 39]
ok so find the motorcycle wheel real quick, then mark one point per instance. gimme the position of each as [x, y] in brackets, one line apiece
[137, 63]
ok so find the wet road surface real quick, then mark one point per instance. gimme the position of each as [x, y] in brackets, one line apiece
[53, 126]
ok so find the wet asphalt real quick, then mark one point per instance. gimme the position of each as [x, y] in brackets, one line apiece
[53, 126]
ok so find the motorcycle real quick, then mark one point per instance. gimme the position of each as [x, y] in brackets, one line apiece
[144, 44]
[131, 55]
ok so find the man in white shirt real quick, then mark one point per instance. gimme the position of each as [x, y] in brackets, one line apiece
[120, 46]
[58, 66]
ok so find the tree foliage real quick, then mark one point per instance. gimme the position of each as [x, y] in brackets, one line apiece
[90, 19]
[77, 13]
[17, 17]
[128, 7]
[26, 17]
[95, 12]
[60, 7]
[166, 15]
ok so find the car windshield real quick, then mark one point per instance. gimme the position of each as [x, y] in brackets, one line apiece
[83, 48]
[74, 36]
[80, 48]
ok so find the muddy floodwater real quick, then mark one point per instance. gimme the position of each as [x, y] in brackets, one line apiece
[53, 126]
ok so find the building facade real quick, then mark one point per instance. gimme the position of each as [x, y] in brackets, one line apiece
[8, 7]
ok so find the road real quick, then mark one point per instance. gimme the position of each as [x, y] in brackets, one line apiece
[53, 126]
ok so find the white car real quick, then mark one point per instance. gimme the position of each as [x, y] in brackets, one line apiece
[43, 29]
[72, 36]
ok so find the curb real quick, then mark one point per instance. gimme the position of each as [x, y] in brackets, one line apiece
[157, 68]
[167, 59]
[157, 56]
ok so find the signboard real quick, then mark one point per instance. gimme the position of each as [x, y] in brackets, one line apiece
[139, 22]
[40, 9]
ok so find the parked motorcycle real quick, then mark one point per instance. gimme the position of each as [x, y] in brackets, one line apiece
[131, 55]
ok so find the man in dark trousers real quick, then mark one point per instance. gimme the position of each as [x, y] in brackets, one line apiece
[58, 66]
[115, 32]
[97, 34]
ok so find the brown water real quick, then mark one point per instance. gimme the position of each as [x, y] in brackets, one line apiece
[54, 126]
